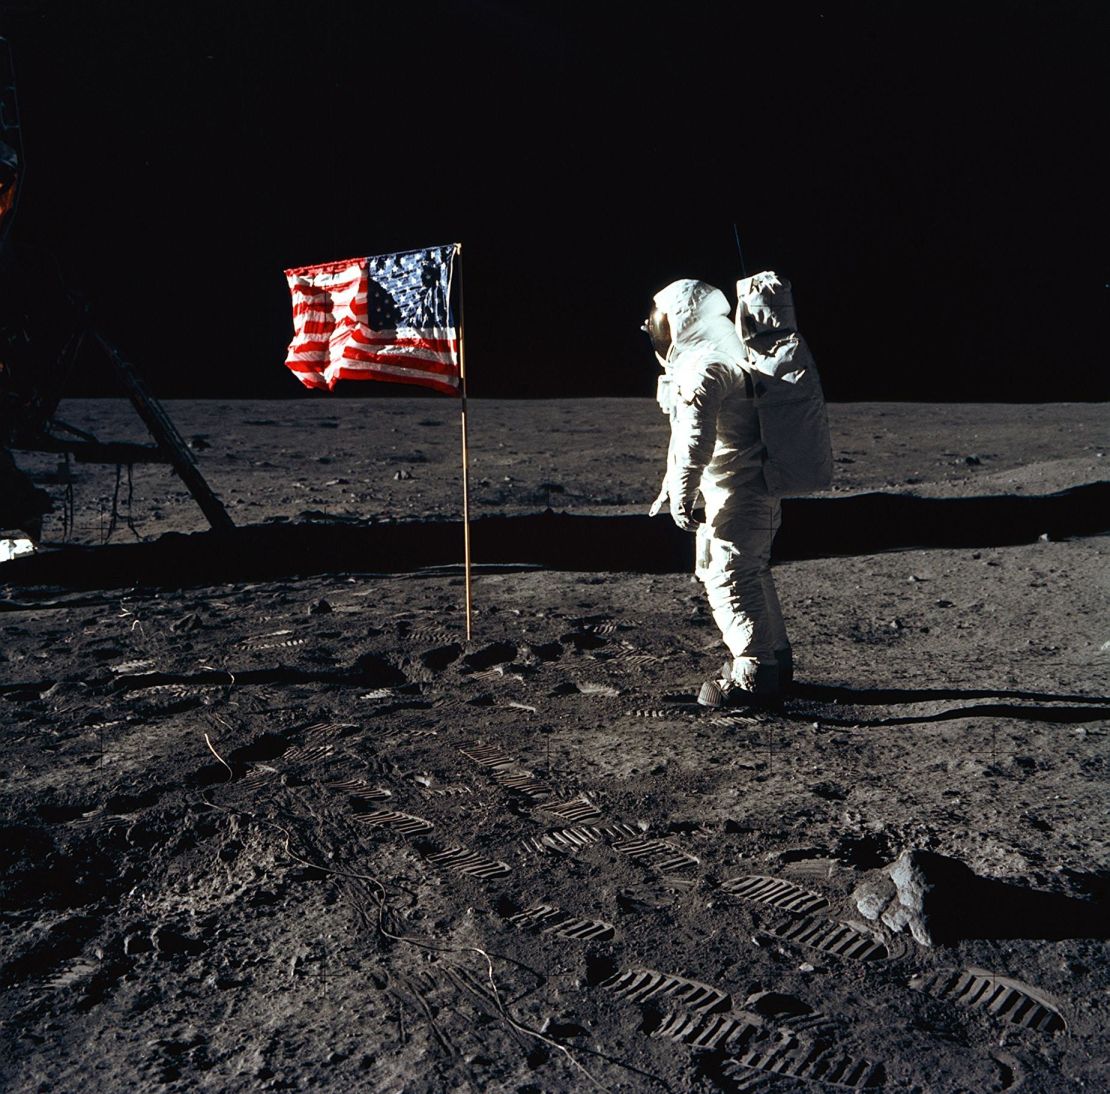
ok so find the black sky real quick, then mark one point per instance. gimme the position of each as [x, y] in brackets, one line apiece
[929, 176]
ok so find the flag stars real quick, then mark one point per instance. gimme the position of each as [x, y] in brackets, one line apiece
[402, 332]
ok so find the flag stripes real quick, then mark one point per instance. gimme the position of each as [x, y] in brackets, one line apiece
[386, 317]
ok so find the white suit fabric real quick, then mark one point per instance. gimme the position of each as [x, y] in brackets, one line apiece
[793, 422]
[716, 449]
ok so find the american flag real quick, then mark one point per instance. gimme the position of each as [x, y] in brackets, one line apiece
[386, 317]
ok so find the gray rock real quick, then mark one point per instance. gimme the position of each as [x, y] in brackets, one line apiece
[940, 901]
[922, 892]
[874, 894]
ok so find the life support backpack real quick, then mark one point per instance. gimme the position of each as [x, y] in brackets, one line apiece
[784, 385]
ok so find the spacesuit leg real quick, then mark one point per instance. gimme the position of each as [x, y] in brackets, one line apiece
[734, 558]
[780, 642]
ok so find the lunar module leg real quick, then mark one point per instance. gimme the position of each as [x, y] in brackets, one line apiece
[169, 440]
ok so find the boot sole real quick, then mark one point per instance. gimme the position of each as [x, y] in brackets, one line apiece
[712, 695]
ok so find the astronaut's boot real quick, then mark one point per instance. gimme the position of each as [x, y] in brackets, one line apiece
[743, 683]
[713, 692]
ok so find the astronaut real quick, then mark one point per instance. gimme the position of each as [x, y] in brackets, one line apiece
[716, 450]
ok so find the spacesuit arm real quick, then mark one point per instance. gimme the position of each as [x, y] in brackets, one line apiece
[661, 500]
[694, 433]
[662, 497]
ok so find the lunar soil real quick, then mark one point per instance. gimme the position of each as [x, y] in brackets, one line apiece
[303, 834]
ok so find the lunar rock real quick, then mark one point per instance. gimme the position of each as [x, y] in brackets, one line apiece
[921, 892]
[874, 895]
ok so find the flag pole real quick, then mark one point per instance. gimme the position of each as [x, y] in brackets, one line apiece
[465, 455]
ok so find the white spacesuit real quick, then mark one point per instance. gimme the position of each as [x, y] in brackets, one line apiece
[716, 448]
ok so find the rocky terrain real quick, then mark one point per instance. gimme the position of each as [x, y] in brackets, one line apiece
[297, 832]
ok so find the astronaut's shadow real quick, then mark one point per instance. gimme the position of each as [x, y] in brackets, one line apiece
[1024, 705]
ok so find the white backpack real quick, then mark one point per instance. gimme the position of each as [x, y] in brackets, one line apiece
[785, 387]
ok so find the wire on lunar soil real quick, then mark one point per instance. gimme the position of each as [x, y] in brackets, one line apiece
[425, 944]
[211, 748]
[421, 1002]
[435, 947]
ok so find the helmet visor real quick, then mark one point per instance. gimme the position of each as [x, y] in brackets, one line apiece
[658, 329]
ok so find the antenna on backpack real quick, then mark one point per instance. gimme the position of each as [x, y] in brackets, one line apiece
[743, 275]
[739, 251]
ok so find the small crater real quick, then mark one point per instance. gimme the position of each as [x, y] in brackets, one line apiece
[584, 640]
[563, 1031]
[493, 653]
[830, 791]
[865, 852]
[439, 658]
[130, 803]
[61, 814]
[599, 968]
[377, 671]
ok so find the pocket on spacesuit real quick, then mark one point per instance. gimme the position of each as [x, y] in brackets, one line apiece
[702, 550]
[664, 394]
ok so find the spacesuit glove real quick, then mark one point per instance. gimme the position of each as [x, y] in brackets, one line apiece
[657, 505]
[682, 513]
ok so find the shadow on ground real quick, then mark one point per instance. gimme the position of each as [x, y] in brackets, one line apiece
[812, 528]
[951, 903]
[1071, 708]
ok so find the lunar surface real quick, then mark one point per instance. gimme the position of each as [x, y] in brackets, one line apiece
[273, 822]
